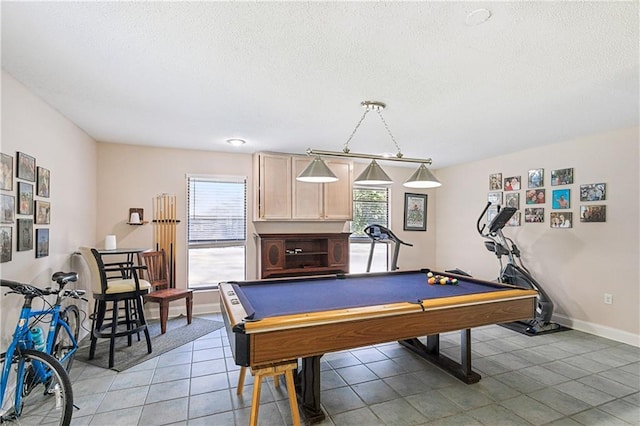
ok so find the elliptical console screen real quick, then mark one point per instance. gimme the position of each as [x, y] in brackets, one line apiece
[501, 219]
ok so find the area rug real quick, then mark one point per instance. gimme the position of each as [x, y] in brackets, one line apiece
[178, 333]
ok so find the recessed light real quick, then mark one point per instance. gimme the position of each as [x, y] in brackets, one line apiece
[477, 17]
[236, 142]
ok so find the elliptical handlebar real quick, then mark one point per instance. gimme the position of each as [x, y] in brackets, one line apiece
[481, 230]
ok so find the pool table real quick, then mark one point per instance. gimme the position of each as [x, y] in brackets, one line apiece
[275, 320]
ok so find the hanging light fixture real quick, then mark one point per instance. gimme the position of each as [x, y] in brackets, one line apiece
[373, 174]
[317, 172]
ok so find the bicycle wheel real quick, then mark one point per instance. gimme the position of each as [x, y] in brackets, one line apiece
[62, 343]
[45, 393]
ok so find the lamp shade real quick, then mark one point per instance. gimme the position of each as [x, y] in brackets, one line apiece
[373, 175]
[422, 178]
[317, 172]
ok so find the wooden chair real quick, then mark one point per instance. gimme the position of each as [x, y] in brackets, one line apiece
[161, 292]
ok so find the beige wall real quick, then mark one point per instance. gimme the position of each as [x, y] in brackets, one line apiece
[31, 126]
[575, 266]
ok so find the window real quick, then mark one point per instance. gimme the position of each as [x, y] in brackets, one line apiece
[216, 230]
[370, 206]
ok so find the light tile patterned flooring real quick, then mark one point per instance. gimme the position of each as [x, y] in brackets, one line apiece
[567, 378]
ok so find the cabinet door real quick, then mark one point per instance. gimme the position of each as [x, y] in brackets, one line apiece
[272, 257]
[338, 198]
[338, 253]
[274, 186]
[307, 197]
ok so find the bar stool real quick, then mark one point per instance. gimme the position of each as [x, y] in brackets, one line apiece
[275, 371]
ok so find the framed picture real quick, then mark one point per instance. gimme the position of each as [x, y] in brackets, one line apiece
[534, 215]
[561, 177]
[26, 167]
[512, 183]
[492, 212]
[512, 200]
[561, 199]
[535, 196]
[561, 219]
[593, 213]
[593, 192]
[6, 243]
[25, 198]
[495, 198]
[535, 178]
[415, 212]
[43, 212]
[495, 181]
[42, 242]
[25, 234]
[515, 220]
[8, 206]
[6, 172]
[44, 180]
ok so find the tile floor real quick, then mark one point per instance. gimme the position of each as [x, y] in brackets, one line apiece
[567, 378]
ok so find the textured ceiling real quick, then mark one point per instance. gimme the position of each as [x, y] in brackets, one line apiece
[286, 76]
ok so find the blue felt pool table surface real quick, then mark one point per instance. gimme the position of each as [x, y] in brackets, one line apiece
[265, 299]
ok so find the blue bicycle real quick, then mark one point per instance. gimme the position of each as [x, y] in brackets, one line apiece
[34, 385]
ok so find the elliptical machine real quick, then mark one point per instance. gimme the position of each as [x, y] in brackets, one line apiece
[514, 272]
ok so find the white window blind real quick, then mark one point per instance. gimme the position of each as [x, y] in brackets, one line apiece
[217, 211]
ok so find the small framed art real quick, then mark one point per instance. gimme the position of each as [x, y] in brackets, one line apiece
[561, 219]
[25, 198]
[6, 172]
[562, 177]
[8, 206]
[535, 178]
[43, 183]
[593, 192]
[495, 182]
[512, 200]
[42, 242]
[495, 198]
[6, 243]
[593, 213]
[515, 220]
[25, 234]
[512, 183]
[534, 215]
[561, 198]
[26, 167]
[415, 212]
[535, 196]
[43, 212]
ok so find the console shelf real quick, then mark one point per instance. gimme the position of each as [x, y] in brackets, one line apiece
[291, 255]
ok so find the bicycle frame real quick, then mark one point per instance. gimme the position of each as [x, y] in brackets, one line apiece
[22, 340]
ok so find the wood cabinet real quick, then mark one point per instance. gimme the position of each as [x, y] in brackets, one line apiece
[281, 197]
[290, 255]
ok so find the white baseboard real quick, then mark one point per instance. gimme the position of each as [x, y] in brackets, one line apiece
[599, 330]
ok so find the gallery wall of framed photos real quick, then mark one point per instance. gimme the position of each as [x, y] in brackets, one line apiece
[25, 207]
[557, 199]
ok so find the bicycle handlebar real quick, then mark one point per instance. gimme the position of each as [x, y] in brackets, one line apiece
[61, 278]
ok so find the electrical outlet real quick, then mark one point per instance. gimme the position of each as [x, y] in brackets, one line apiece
[608, 298]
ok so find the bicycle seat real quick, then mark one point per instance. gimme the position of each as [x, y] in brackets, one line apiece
[64, 277]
